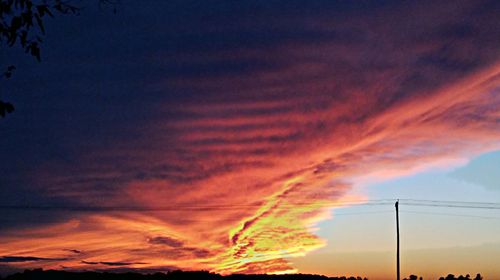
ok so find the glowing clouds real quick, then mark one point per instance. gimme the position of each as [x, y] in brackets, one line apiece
[231, 170]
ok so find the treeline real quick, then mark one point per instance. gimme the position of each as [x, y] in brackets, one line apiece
[37, 274]
[448, 277]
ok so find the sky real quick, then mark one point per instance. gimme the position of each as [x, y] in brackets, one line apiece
[224, 136]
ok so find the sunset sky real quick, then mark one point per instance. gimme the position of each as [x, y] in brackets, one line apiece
[256, 137]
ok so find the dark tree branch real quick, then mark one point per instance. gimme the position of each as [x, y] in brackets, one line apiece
[21, 24]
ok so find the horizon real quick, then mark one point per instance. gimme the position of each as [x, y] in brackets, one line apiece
[39, 272]
[251, 137]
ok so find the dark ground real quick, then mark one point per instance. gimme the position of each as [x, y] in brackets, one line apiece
[174, 275]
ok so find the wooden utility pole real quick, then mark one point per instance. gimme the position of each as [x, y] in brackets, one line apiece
[397, 236]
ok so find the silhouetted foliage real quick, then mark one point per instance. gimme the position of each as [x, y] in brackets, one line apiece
[448, 277]
[173, 275]
[37, 274]
[6, 107]
[461, 277]
[22, 24]
[21, 21]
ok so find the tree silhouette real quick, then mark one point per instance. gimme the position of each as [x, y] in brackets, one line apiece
[39, 274]
[412, 277]
[461, 277]
[22, 25]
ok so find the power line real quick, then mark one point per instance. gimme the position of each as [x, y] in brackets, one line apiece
[187, 207]
[35, 219]
[453, 206]
[363, 213]
[160, 209]
[450, 214]
[451, 201]
[213, 207]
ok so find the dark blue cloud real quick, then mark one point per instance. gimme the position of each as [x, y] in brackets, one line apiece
[113, 263]
[14, 259]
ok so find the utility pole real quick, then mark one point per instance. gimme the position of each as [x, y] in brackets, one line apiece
[397, 236]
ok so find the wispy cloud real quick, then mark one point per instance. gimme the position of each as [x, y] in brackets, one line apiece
[111, 263]
[15, 259]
